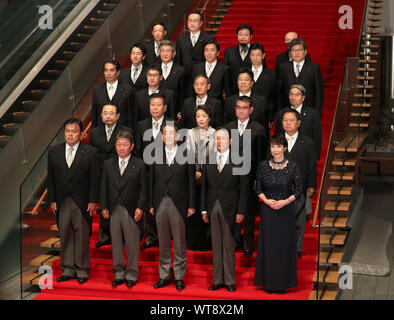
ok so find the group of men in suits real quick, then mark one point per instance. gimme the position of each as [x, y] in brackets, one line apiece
[146, 104]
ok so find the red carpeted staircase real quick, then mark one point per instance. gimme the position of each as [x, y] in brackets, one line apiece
[317, 22]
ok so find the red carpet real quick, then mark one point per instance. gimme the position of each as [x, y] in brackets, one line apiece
[317, 22]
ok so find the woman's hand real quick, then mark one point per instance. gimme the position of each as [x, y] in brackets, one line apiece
[279, 204]
[270, 202]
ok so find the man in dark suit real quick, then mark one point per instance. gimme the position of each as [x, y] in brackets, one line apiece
[103, 138]
[251, 144]
[172, 196]
[261, 110]
[123, 197]
[201, 86]
[285, 56]
[135, 76]
[310, 120]
[148, 135]
[173, 74]
[112, 91]
[73, 192]
[141, 98]
[300, 149]
[263, 78]
[302, 72]
[218, 73]
[152, 48]
[190, 46]
[224, 198]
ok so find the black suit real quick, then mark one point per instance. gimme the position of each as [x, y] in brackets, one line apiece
[310, 126]
[175, 81]
[189, 117]
[72, 189]
[265, 86]
[233, 59]
[261, 111]
[122, 195]
[125, 77]
[303, 153]
[151, 57]
[123, 98]
[106, 150]
[284, 57]
[257, 152]
[186, 54]
[220, 80]
[142, 103]
[310, 77]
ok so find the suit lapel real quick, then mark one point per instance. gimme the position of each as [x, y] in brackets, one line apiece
[127, 173]
[304, 71]
[118, 94]
[116, 172]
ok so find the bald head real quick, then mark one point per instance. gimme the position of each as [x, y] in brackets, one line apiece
[290, 36]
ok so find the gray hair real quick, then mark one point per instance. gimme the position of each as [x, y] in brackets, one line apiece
[299, 87]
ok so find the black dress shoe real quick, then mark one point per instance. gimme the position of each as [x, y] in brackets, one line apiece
[82, 280]
[248, 252]
[117, 282]
[179, 284]
[102, 243]
[215, 287]
[299, 254]
[130, 283]
[161, 283]
[64, 278]
[230, 287]
[148, 244]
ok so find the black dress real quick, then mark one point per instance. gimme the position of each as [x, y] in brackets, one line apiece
[276, 263]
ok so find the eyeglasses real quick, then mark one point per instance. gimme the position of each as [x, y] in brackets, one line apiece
[288, 120]
[295, 94]
[152, 75]
[166, 50]
[242, 108]
[297, 50]
[110, 113]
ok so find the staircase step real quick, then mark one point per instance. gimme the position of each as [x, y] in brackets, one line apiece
[20, 116]
[366, 86]
[51, 243]
[328, 294]
[359, 124]
[46, 83]
[360, 114]
[9, 129]
[54, 227]
[331, 222]
[368, 61]
[363, 95]
[32, 279]
[331, 255]
[362, 105]
[338, 238]
[96, 21]
[348, 176]
[37, 94]
[340, 160]
[327, 275]
[352, 142]
[337, 206]
[29, 105]
[54, 73]
[44, 260]
[340, 190]
[365, 78]
[4, 139]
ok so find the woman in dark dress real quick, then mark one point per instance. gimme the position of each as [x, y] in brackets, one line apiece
[278, 184]
[199, 141]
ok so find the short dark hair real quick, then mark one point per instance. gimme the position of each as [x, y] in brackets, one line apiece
[278, 139]
[72, 121]
[204, 107]
[196, 12]
[291, 110]
[158, 95]
[159, 24]
[257, 46]
[224, 129]
[201, 75]
[156, 67]
[169, 123]
[212, 41]
[245, 26]
[297, 41]
[126, 135]
[139, 46]
[245, 99]
[245, 70]
[114, 62]
[111, 104]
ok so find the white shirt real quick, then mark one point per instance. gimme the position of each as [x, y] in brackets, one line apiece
[245, 124]
[169, 67]
[157, 50]
[155, 132]
[246, 94]
[139, 69]
[111, 92]
[170, 154]
[291, 140]
[295, 66]
[209, 67]
[126, 162]
[74, 150]
[195, 35]
[201, 101]
[113, 128]
[298, 109]
[259, 70]
[152, 91]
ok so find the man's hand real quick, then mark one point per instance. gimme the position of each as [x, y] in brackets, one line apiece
[105, 213]
[239, 218]
[190, 212]
[138, 214]
[310, 192]
[178, 116]
[91, 208]
[152, 211]
[205, 217]
[53, 207]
